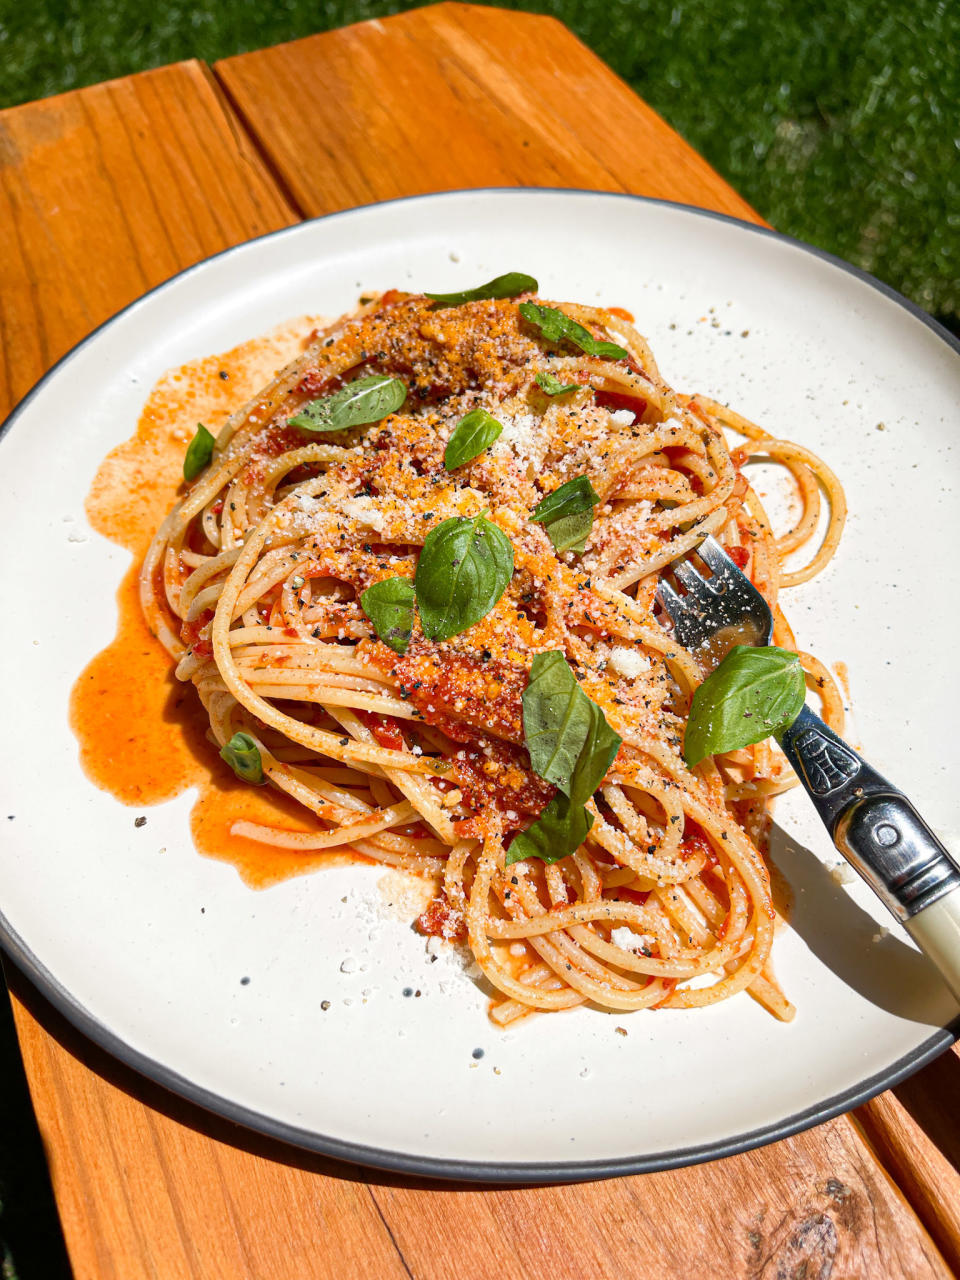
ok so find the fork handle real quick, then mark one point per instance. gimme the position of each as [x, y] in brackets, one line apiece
[878, 830]
[936, 931]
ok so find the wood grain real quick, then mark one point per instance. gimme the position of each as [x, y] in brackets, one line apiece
[104, 193]
[150, 1186]
[458, 96]
[915, 1130]
[802, 1208]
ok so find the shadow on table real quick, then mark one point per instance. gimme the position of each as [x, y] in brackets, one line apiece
[930, 1097]
[31, 1242]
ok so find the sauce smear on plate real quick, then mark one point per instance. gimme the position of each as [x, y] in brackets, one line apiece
[141, 732]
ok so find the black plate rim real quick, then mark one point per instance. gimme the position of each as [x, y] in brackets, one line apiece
[497, 1173]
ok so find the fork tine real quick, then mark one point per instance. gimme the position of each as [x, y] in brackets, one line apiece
[730, 583]
[671, 601]
[688, 575]
[674, 604]
[684, 613]
[711, 552]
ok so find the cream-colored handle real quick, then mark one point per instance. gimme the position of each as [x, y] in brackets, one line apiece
[936, 931]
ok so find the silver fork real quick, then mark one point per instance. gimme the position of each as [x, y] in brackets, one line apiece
[870, 821]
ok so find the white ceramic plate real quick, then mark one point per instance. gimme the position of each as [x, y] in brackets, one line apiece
[113, 933]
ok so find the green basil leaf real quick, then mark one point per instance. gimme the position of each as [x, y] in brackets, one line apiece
[464, 568]
[567, 514]
[472, 434]
[507, 286]
[553, 386]
[571, 498]
[199, 452]
[243, 756]
[389, 606]
[571, 533]
[558, 327]
[560, 830]
[565, 732]
[754, 693]
[365, 400]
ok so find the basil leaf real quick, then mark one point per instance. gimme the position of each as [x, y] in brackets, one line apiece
[507, 286]
[389, 606]
[243, 756]
[755, 692]
[560, 830]
[365, 400]
[567, 514]
[199, 452]
[558, 327]
[565, 732]
[570, 533]
[553, 386]
[463, 570]
[472, 434]
[571, 498]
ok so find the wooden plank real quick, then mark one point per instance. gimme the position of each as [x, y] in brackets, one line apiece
[152, 1187]
[108, 191]
[804, 1208]
[458, 96]
[104, 193]
[915, 1130]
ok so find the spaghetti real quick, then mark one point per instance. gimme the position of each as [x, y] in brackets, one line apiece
[417, 759]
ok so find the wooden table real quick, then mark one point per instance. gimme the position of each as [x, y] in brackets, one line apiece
[109, 190]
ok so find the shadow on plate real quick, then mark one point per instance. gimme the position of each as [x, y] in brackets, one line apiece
[876, 964]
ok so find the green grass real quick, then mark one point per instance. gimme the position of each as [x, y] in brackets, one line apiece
[836, 119]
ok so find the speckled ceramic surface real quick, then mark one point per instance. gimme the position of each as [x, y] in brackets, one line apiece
[389, 1072]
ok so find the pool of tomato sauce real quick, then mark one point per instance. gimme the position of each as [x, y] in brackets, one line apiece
[141, 731]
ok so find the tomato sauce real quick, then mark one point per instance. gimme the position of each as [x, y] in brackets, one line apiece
[739, 555]
[442, 920]
[460, 694]
[190, 634]
[497, 776]
[614, 400]
[386, 729]
[141, 732]
[479, 706]
[695, 842]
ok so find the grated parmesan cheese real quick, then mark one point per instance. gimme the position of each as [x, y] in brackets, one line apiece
[628, 662]
[625, 937]
[520, 433]
[368, 511]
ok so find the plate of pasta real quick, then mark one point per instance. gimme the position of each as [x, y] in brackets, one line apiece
[377, 822]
